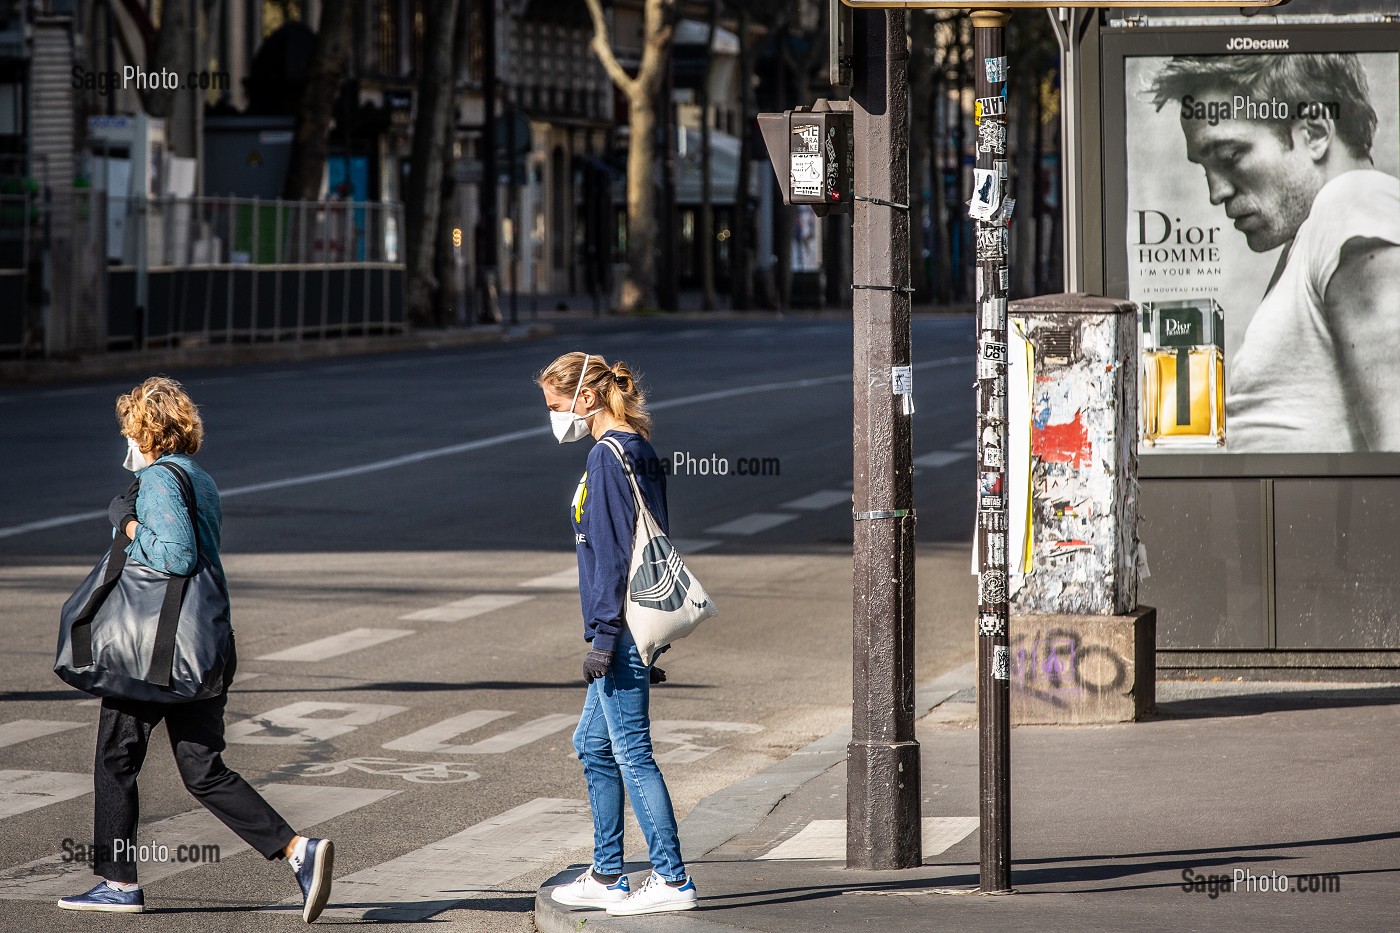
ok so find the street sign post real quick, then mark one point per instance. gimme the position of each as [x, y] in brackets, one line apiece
[811, 152]
[991, 209]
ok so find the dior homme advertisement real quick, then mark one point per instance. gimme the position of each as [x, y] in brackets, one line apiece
[1263, 245]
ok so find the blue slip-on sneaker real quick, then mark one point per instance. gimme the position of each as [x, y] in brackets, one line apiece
[105, 897]
[314, 876]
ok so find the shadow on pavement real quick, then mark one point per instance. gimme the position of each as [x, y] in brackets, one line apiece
[1254, 704]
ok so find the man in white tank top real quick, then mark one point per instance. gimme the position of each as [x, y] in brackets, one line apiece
[1319, 367]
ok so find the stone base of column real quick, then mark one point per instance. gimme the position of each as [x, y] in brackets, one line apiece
[884, 827]
[1083, 669]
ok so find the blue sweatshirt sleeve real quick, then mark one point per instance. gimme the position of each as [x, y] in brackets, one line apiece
[609, 521]
[164, 536]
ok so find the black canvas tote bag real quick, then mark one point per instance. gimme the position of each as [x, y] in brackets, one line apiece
[136, 633]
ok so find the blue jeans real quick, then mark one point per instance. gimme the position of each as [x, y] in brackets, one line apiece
[613, 740]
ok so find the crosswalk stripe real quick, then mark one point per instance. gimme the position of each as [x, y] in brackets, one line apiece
[826, 839]
[751, 524]
[22, 791]
[303, 805]
[941, 458]
[427, 881]
[694, 545]
[563, 580]
[22, 730]
[333, 646]
[820, 500]
[466, 608]
[438, 737]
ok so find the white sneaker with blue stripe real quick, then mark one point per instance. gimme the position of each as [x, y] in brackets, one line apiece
[588, 891]
[655, 896]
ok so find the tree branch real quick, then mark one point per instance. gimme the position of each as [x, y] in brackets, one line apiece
[660, 24]
[602, 47]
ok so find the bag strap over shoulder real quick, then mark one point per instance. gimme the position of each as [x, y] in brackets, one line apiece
[182, 479]
[615, 446]
[163, 650]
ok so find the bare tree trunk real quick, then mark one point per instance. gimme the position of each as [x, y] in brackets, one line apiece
[328, 66]
[172, 44]
[707, 206]
[445, 267]
[639, 287]
[431, 134]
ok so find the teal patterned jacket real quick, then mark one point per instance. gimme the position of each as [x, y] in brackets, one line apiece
[164, 539]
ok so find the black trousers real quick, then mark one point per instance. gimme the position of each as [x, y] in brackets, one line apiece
[196, 733]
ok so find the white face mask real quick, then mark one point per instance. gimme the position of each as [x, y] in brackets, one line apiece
[567, 426]
[135, 459]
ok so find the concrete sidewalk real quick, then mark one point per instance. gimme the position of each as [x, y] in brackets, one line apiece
[1116, 828]
[106, 365]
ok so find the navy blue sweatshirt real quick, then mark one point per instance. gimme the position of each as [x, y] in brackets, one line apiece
[604, 517]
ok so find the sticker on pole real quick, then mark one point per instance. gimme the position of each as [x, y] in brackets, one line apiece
[805, 160]
[988, 107]
[902, 384]
[1001, 662]
[986, 194]
[996, 69]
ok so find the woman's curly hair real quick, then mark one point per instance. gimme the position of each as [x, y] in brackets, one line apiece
[161, 418]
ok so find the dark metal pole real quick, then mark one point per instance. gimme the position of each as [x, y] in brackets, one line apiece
[488, 248]
[993, 611]
[883, 787]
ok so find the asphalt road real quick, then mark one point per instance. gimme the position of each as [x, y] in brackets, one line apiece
[400, 564]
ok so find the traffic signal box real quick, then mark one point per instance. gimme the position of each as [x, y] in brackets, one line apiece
[812, 155]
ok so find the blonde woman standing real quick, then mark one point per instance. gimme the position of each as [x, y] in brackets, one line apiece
[587, 397]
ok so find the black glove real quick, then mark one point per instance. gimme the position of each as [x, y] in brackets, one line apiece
[657, 676]
[121, 511]
[596, 664]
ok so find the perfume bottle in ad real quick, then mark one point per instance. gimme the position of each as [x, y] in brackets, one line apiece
[1183, 374]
